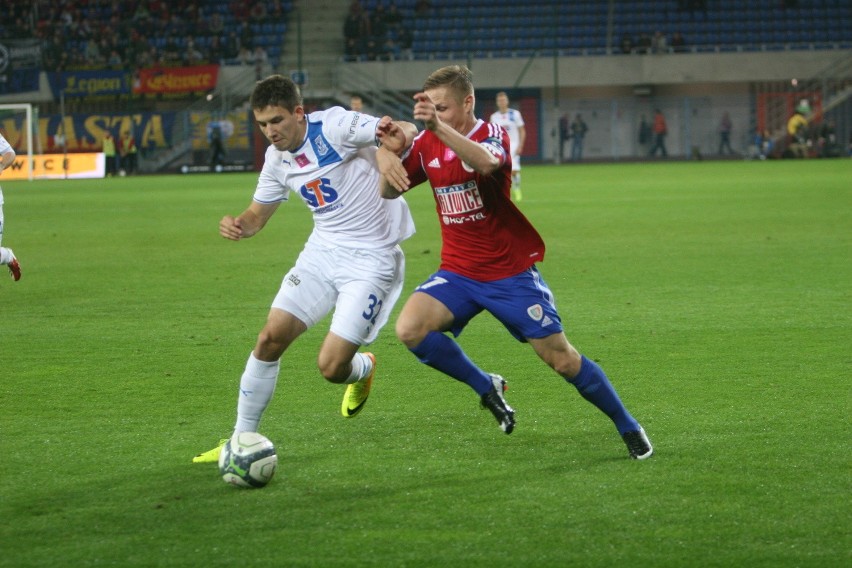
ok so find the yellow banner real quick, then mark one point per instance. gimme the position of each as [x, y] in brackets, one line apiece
[58, 166]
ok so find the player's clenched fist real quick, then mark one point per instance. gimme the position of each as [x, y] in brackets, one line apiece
[230, 228]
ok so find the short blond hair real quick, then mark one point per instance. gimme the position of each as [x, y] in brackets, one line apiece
[458, 78]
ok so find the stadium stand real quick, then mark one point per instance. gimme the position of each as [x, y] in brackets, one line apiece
[91, 34]
[507, 28]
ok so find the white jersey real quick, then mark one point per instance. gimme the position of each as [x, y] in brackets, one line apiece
[511, 121]
[334, 172]
[4, 148]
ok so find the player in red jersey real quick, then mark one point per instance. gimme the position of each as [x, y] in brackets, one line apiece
[488, 256]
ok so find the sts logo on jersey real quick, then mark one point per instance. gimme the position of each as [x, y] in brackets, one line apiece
[318, 193]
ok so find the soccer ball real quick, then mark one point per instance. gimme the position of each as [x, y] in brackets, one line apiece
[248, 459]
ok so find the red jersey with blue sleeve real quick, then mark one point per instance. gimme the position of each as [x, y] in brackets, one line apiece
[485, 236]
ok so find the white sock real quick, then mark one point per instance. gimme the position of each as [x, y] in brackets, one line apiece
[362, 366]
[5, 255]
[256, 388]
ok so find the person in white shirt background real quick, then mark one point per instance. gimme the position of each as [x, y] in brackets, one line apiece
[513, 123]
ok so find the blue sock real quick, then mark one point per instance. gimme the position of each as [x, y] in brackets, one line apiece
[593, 385]
[442, 353]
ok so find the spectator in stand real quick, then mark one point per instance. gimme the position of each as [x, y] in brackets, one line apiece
[393, 17]
[678, 43]
[659, 44]
[351, 50]
[150, 57]
[171, 51]
[277, 13]
[259, 58]
[177, 26]
[246, 35]
[371, 50]
[114, 61]
[216, 24]
[644, 44]
[405, 41]
[84, 29]
[390, 50]
[192, 14]
[55, 55]
[356, 30]
[232, 46]
[107, 44]
[258, 13]
[215, 51]
[626, 44]
[238, 10]
[192, 55]
[378, 25]
[244, 57]
[135, 50]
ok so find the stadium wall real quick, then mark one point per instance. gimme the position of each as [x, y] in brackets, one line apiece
[613, 93]
[618, 70]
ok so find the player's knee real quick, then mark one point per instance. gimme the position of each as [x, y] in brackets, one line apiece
[409, 333]
[269, 347]
[568, 368]
[565, 361]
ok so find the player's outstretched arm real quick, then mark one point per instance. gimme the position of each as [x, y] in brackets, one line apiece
[248, 223]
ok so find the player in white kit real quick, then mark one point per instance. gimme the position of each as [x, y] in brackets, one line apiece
[513, 123]
[351, 263]
[7, 257]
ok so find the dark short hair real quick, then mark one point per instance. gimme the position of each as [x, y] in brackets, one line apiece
[276, 90]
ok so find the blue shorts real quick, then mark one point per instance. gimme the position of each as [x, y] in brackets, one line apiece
[522, 303]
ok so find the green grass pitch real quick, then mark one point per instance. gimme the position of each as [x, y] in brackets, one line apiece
[715, 295]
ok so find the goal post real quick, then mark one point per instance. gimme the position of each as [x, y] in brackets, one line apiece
[17, 127]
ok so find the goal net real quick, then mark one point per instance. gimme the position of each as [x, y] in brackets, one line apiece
[16, 126]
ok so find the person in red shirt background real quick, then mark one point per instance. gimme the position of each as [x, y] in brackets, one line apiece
[488, 255]
[660, 131]
[128, 152]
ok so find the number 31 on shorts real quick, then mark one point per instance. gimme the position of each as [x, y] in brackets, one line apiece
[373, 309]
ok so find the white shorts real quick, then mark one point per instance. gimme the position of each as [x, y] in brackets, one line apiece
[516, 162]
[361, 286]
